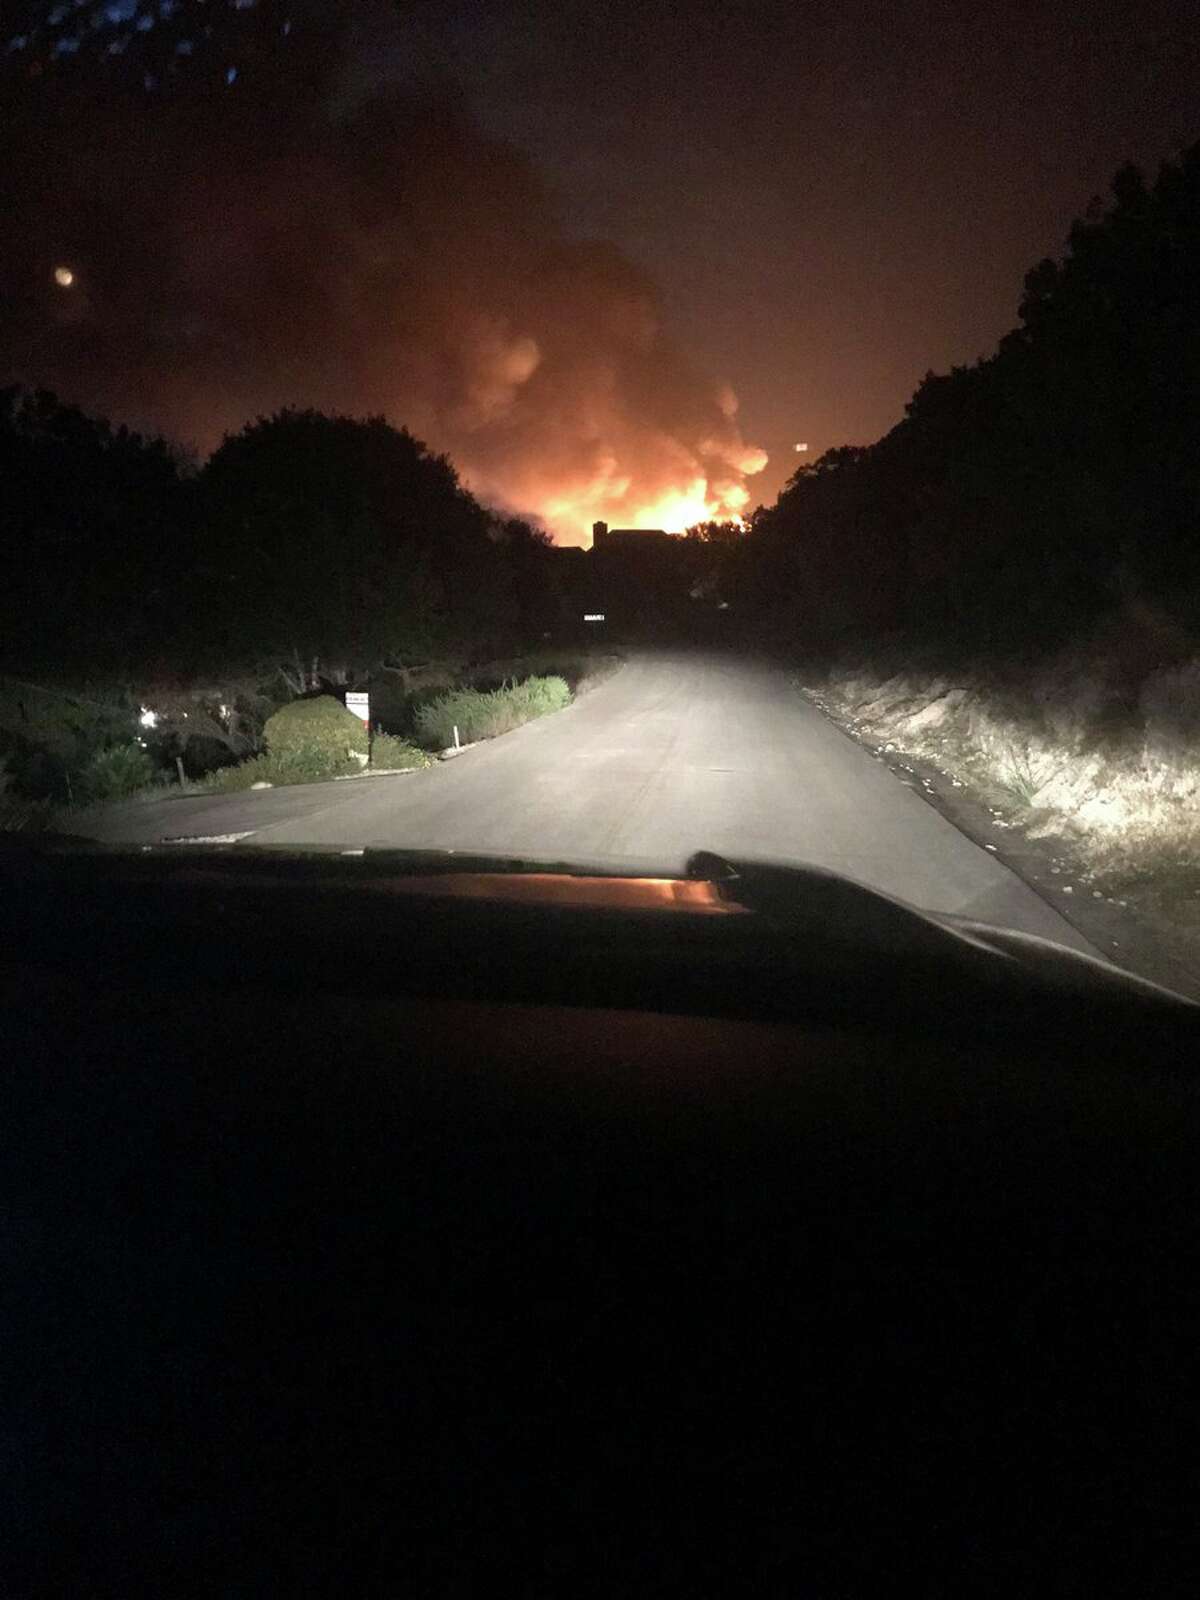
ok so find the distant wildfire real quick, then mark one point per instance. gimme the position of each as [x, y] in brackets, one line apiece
[395, 260]
[593, 455]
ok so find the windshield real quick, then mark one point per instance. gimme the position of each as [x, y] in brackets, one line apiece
[503, 432]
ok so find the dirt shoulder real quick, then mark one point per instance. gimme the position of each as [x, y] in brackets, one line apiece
[1141, 908]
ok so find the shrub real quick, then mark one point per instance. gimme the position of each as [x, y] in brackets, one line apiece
[465, 709]
[1025, 773]
[387, 751]
[537, 697]
[306, 764]
[482, 714]
[316, 729]
[16, 813]
[574, 667]
[1170, 704]
[117, 772]
[50, 738]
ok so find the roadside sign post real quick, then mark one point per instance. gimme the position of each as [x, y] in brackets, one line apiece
[360, 705]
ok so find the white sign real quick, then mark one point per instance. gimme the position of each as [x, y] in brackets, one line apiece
[360, 704]
[593, 616]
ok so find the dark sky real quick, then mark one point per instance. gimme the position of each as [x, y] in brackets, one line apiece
[813, 203]
[835, 195]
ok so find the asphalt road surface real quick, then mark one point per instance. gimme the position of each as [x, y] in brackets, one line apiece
[677, 752]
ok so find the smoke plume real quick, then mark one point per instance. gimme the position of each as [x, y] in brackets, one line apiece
[231, 256]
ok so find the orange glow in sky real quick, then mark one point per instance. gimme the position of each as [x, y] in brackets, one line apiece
[569, 514]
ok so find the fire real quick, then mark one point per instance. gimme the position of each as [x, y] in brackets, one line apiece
[674, 510]
[615, 469]
[678, 510]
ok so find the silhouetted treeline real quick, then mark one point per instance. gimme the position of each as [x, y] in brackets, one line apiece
[91, 523]
[305, 538]
[1024, 496]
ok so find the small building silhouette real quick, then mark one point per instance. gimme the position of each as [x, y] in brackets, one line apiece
[606, 538]
[639, 576]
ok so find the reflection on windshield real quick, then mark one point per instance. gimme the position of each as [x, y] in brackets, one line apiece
[354, 494]
[541, 888]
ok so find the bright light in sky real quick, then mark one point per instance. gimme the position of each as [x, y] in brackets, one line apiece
[679, 510]
[64, 277]
[799, 448]
[673, 511]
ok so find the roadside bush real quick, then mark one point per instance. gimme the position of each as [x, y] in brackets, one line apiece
[466, 709]
[49, 738]
[537, 697]
[18, 814]
[318, 730]
[387, 751]
[1170, 705]
[578, 668]
[482, 714]
[395, 695]
[115, 773]
[306, 764]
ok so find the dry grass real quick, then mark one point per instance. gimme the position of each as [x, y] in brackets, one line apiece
[484, 714]
[1056, 749]
[390, 754]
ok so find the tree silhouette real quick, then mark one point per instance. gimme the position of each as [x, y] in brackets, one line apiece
[336, 539]
[1025, 494]
[90, 522]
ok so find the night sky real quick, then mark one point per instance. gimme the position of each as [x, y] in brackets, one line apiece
[836, 195]
[813, 203]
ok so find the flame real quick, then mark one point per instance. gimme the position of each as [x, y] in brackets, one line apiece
[611, 496]
[612, 469]
[681, 509]
[677, 510]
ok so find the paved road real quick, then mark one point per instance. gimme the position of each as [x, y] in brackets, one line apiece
[677, 752]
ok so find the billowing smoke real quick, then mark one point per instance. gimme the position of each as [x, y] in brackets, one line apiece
[384, 256]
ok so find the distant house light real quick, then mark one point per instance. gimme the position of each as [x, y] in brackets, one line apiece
[148, 718]
[593, 616]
